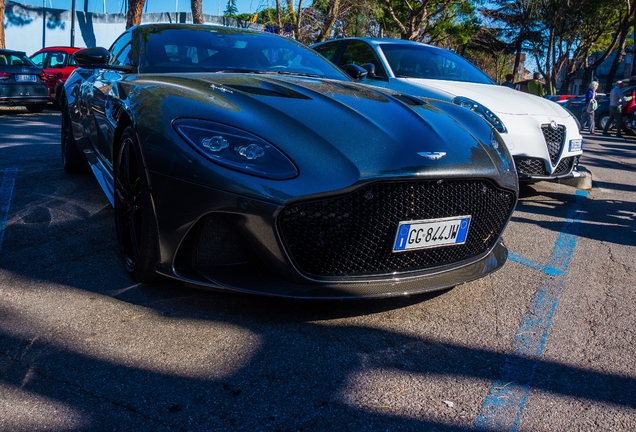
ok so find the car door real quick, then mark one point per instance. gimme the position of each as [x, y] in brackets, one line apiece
[101, 95]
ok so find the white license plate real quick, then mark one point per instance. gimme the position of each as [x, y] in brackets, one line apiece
[576, 145]
[26, 78]
[429, 233]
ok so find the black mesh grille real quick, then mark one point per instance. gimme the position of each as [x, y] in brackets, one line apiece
[565, 166]
[554, 139]
[353, 235]
[530, 166]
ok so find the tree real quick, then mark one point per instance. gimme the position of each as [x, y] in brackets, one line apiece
[411, 17]
[197, 11]
[135, 10]
[230, 9]
[518, 19]
[626, 24]
[591, 32]
[2, 9]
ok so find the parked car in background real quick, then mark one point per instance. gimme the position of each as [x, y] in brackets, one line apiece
[57, 62]
[543, 138]
[22, 83]
[577, 105]
[560, 99]
[243, 160]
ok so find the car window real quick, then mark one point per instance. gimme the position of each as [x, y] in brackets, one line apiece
[219, 50]
[359, 53]
[38, 59]
[56, 59]
[422, 61]
[328, 50]
[120, 51]
[15, 59]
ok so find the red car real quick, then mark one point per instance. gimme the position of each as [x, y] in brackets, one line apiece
[58, 62]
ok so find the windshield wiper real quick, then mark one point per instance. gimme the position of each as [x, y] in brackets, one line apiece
[296, 73]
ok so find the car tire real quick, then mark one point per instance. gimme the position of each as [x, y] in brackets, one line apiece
[73, 161]
[57, 103]
[602, 119]
[134, 217]
[35, 108]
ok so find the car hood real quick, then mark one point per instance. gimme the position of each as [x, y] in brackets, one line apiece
[352, 132]
[499, 99]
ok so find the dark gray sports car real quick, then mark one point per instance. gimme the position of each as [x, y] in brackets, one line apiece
[242, 160]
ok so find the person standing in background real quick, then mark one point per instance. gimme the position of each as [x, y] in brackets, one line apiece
[591, 105]
[509, 82]
[616, 98]
[535, 86]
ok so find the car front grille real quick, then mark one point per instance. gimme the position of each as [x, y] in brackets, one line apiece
[353, 235]
[530, 166]
[536, 167]
[554, 140]
[565, 166]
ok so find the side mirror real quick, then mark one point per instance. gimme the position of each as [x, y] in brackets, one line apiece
[370, 68]
[356, 72]
[92, 57]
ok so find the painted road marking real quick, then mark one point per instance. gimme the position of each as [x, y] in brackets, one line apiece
[507, 397]
[6, 193]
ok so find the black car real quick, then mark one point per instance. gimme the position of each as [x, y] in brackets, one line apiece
[22, 83]
[245, 161]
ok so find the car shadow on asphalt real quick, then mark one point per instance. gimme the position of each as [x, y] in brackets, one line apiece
[307, 368]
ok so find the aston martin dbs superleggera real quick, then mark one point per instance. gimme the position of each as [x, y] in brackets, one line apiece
[242, 160]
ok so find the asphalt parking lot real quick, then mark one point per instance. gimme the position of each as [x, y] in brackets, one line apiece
[545, 344]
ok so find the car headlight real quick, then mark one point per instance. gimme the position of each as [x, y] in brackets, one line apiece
[235, 148]
[478, 108]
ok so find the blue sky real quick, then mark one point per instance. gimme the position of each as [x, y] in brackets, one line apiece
[211, 7]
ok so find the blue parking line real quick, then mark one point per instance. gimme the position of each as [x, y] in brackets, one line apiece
[6, 193]
[507, 397]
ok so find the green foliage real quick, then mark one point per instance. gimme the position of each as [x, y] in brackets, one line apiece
[230, 9]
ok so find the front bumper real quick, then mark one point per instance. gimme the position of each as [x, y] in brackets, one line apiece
[542, 148]
[217, 240]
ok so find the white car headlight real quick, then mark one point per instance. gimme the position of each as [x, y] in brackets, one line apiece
[478, 108]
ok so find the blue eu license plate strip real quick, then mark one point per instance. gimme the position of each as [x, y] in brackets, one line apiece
[422, 234]
[26, 78]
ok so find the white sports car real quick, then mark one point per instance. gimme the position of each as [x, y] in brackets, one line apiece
[542, 136]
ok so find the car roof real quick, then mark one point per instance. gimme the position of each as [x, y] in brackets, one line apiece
[383, 41]
[182, 26]
[59, 48]
[10, 51]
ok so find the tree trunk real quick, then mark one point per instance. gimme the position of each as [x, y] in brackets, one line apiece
[135, 9]
[292, 16]
[622, 40]
[279, 19]
[2, 8]
[197, 11]
[330, 19]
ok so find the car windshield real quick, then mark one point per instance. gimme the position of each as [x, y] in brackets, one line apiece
[220, 50]
[14, 59]
[421, 61]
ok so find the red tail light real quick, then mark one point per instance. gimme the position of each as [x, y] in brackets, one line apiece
[44, 76]
[4, 75]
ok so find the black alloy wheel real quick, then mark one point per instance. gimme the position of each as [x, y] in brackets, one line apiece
[134, 218]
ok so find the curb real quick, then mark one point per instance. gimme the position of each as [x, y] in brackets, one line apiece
[582, 181]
